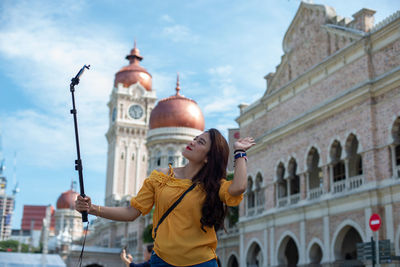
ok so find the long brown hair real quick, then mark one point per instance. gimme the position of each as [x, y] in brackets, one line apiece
[213, 210]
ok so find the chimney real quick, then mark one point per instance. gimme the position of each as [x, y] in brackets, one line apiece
[364, 20]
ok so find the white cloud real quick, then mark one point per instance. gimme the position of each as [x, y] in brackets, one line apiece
[166, 18]
[48, 141]
[42, 58]
[179, 33]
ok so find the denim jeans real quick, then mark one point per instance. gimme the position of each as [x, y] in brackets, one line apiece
[156, 261]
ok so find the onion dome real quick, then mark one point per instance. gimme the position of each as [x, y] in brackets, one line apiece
[67, 200]
[134, 73]
[177, 111]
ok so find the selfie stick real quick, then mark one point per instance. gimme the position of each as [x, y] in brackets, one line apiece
[78, 162]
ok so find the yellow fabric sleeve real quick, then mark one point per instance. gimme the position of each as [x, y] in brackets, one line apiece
[144, 200]
[227, 198]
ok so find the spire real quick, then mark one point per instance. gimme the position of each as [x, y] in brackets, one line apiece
[134, 57]
[177, 84]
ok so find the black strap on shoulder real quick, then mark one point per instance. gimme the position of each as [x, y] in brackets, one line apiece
[172, 207]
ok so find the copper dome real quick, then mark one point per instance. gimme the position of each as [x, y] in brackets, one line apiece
[177, 111]
[134, 73]
[67, 200]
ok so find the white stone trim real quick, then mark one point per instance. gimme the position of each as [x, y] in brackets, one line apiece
[161, 135]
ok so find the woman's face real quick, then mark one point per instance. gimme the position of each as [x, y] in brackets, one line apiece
[196, 151]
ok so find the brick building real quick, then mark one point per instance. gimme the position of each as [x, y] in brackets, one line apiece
[33, 215]
[328, 145]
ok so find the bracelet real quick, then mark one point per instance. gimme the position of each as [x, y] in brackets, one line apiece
[98, 214]
[240, 155]
[239, 150]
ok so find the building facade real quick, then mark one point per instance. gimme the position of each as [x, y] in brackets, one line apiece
[6, 203]
[328, 145]
[33, 223]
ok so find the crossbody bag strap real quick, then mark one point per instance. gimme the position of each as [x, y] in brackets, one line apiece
[172, 207]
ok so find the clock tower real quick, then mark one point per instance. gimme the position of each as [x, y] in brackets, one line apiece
[131, 102]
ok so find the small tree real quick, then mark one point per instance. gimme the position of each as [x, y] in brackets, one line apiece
[12, 246]
[147, 234]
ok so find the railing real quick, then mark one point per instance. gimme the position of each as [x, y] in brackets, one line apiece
[339, 186]
[348, 263]
[251, 211]
[315, 192]
[260, 209]
[356, 182]
[348, 184]
[294, 198]
[282, 201]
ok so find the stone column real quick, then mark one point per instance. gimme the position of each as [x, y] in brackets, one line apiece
[304, 188]
[327, 241]
[303, 257]
[126, 171]
[331, 177]
[265, 250]
[242, 260]
[347, 173]
[326, 178]
[272, 256]
[393, 153]
[389, 223]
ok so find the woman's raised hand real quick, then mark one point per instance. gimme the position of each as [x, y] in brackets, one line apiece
[244, 143]
[83, 204]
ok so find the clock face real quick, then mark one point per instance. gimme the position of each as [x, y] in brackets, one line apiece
[136, 111]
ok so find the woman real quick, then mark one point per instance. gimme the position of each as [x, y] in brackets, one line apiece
[187, 236]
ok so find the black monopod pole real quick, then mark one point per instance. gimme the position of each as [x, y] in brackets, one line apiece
[78, 162]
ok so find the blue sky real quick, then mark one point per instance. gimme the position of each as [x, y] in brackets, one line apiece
[222, 50]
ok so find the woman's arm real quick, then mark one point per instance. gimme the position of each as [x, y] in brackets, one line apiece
[113, 213]
[239, 183]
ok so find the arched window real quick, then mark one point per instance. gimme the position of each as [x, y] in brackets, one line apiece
[259, 193]
[281, 186]
[250, 196]
[171, 157]
[355, 160]
[315, 177]
[339, 172]
[158, 158]
[294, 178]
[395, 148]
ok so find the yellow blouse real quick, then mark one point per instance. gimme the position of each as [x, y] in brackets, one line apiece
[180, 240]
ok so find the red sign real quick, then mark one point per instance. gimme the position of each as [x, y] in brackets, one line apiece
[375, 222]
